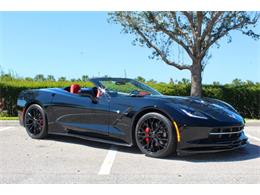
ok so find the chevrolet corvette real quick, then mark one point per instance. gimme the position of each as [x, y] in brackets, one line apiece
[126, 112]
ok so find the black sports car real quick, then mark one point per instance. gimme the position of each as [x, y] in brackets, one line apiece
[126, 112]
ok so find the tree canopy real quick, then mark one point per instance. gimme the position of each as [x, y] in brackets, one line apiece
[195, 32]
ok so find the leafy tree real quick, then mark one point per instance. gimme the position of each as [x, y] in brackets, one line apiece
[248, 82]
[7, 77]
[171, 82]
[84, 78]
[140, 79]
[193, 32]
[39, 77]
[50, 78]
[152, 81]
[216, 83]
[28, 79]
[62, 79]
[237, 82]
[184, 81]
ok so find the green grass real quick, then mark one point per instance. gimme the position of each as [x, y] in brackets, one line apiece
[251, 119]
[8, 118]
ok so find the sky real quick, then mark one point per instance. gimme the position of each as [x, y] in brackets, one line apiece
[73, 44]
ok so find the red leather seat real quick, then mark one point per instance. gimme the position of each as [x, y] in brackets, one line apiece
[74, 88]
[143, 93]
[98, 93]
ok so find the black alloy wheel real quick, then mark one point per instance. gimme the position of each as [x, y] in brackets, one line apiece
[35, 122]
[155, 136]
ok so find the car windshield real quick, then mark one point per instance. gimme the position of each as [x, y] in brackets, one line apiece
[127, 87]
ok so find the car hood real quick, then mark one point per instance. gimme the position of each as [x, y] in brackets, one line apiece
[211, 108]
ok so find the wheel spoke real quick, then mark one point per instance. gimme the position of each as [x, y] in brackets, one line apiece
[29, 122]
[34, 121]
[29, 115]
[164, 139]
[158, 135]
[30, 127]
[33, 129]
[144, 136]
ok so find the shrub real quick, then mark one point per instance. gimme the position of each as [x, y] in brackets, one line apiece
[9, 90]
[245, 97]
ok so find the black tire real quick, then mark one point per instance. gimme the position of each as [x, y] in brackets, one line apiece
[154, 135]
[35, 122]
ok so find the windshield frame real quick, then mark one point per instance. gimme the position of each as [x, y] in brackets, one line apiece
[97, 82]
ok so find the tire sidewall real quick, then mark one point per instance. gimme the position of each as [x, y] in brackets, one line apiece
[171, 146]
[44, 131]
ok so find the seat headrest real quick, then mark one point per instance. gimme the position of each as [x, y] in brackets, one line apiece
[74, 88]
[97, 92]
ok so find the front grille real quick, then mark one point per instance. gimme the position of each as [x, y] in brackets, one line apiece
[225, 133]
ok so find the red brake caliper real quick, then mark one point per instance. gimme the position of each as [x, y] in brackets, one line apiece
[147, 130]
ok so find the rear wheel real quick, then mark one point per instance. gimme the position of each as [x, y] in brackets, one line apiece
[35, 122]
[154, 135]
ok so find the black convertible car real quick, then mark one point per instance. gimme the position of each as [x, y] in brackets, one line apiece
[126, 112]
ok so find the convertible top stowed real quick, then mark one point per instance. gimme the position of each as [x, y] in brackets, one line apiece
[126, 112]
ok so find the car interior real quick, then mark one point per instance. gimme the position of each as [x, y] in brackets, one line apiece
[75, 89]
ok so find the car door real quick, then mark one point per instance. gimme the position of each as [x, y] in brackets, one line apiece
[80, 114]
[120, 117]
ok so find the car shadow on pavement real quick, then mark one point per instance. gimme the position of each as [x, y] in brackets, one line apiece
[78, 141]
[251, 151]
[100, 145]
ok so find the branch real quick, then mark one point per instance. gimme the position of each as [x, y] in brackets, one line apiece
[170, 34]
[179, 29]
[210, 25]
[159, 52]
[190, 19]
[200, 18]
[198, 32]
[221, 33]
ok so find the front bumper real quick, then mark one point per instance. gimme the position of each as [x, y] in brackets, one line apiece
[209, 139]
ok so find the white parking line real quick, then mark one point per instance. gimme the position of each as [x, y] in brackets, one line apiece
[108, 162]
[5, 128]
[253, 137]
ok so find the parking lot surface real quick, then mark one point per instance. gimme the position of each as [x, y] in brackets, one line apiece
[60, 159]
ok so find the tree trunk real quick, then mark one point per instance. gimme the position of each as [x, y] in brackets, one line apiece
[196, 79]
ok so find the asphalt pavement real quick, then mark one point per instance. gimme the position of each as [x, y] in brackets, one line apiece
[60, 159]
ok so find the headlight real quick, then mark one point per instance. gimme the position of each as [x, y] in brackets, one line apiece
[194, 113]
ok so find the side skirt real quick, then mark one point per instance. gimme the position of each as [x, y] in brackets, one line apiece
[91, 139]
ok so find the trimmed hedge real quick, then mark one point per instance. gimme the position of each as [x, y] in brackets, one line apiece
[9, 90]
[245, 98]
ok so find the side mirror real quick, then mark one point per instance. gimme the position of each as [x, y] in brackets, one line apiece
[89, 92]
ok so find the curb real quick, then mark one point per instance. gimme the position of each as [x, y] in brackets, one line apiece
[252, 122]
[9, 123]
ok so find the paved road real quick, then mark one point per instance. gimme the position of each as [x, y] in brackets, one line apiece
[70, 160]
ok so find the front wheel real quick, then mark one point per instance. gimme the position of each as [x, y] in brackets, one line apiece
[154, 135]
[35, 122]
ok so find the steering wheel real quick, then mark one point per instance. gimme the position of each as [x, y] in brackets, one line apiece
[139, 93]
[134, 93]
